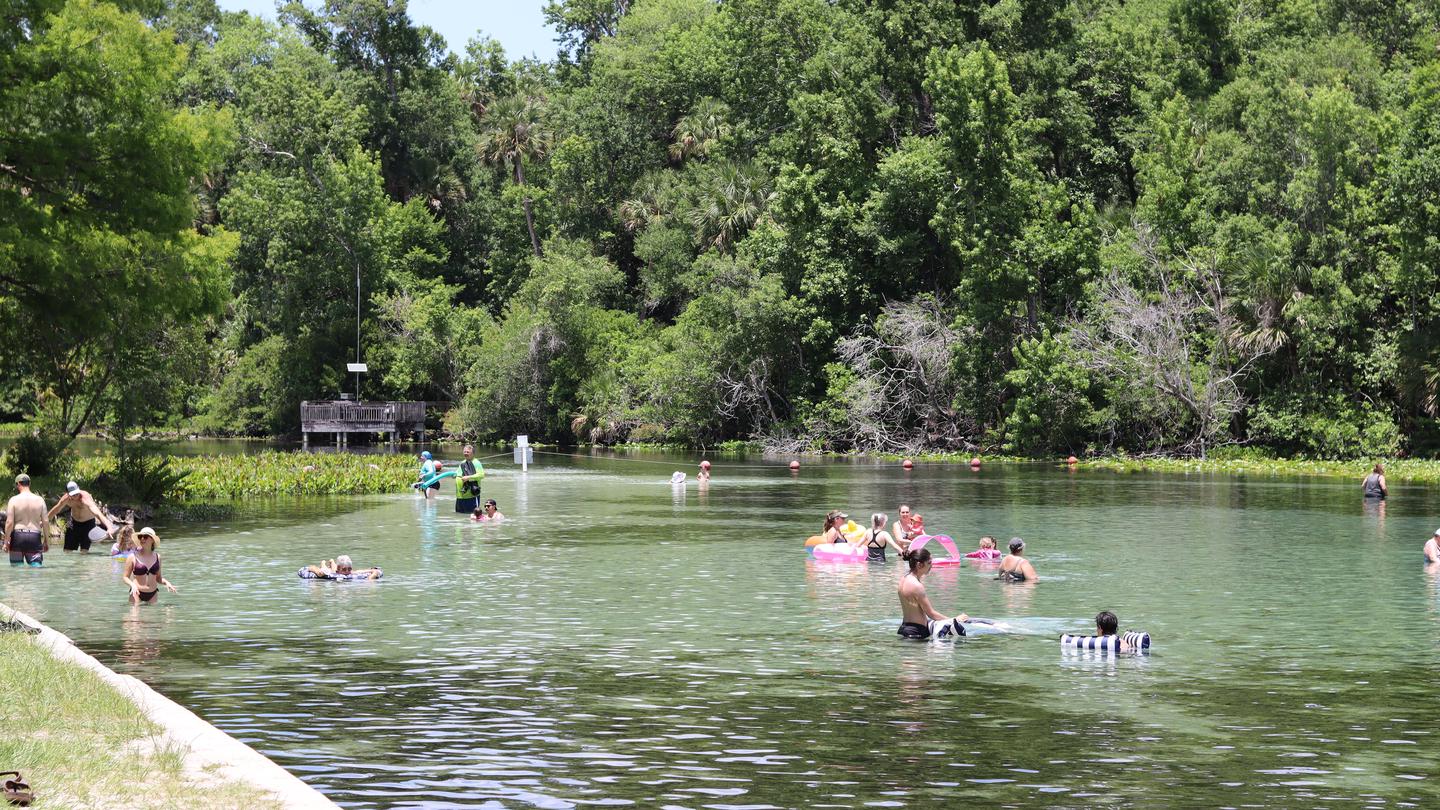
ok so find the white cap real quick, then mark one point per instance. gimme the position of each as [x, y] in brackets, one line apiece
[1437, 532]
[72, 487]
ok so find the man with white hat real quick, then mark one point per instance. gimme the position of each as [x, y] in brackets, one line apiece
[1432, 548]
[84, 514]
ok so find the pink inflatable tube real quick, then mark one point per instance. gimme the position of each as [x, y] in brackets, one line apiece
[945, 543]
[839, 552]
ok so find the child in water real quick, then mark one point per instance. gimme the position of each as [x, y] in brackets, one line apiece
[1108, 624]
[987, 550]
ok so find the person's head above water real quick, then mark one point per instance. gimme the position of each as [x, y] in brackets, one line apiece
[918, 559]
[1379, 469]
[1016, 545]
[425, 454]
[343, 564]
[1106, 623]
[878, 520]
[988, 542]
[491, 506]
[904, 511]
[144, 534]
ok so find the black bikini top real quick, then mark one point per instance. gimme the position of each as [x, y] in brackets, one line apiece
[141, 570]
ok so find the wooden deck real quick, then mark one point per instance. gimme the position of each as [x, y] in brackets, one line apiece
[343, 417]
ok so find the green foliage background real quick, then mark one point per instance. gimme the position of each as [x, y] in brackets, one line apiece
[1150, 226]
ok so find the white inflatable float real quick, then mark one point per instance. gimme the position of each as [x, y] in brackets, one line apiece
[839, 552]
[1136, 642]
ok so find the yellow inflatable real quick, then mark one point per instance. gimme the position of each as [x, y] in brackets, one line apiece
[851, 530]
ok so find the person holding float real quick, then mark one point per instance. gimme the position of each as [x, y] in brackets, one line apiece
[142, 569]
[424, 483]
[918, 618]
[467, 482]
[876, 540]
[340, 569]
[1374, 484]
[1107, 637]
[85, 514]
[1015, 568]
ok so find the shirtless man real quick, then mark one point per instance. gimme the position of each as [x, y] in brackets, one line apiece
[1106, 624]
[84, 513]
[1432, 548]
[24, 535]
[489, 513]
[916, 611]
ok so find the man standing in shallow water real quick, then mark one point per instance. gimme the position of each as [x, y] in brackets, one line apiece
[467, 483]
[84, 513]
[24, 534]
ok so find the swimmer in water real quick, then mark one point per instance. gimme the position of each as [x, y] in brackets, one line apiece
[1015, 568]
[833, 521]
[988, 550]
[1107, 624]
[24, 533]
[877, 539]
[489, 513]
[142, 569]
[916, 612]
[1432, 548]
[341, 566]
[905, 530]
[124, 545]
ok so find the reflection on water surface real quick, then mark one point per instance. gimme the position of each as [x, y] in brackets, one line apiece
[622, 642]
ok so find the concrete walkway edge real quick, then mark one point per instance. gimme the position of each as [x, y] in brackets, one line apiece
[208, 747]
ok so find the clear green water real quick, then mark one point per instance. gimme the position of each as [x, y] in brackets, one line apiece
[621, 642]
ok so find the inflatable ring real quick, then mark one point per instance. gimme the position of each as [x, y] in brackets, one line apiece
[434, 479]
[839, 552]
[815, 540]
[1138, 642]
[985, 555]
[945, 543]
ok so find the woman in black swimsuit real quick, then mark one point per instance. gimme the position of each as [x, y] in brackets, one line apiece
[1015, 568]
[142, 569]
[876, 540]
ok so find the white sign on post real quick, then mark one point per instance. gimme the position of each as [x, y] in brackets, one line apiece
[524, 453]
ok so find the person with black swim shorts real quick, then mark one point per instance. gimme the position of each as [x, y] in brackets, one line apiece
[23, 535]
[85, 515]
[916, 610]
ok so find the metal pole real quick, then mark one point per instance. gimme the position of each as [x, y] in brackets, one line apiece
[357, 330]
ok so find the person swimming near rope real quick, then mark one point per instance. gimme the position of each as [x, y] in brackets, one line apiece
[467, 483]
[24, 532]
[1015, 568]
[918, 618]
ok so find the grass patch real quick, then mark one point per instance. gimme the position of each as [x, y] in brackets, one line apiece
[80, 743]
[1422, 471]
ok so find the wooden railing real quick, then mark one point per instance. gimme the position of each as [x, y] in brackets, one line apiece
[325, 416]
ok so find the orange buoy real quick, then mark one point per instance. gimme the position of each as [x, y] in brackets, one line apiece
[1072, 461]
[907, 464]
[795, 465]
[975, 462]
[815, 540]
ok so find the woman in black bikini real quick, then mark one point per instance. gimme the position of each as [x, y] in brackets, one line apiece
[1015, 568]
[916, 612]
[142, 569]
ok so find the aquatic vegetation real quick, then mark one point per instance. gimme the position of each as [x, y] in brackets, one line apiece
[274, 473]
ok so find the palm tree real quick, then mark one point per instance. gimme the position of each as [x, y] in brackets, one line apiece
[511, 130]
[733, 198]
[700, 131]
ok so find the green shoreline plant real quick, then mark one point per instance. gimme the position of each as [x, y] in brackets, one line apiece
[270, 473]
